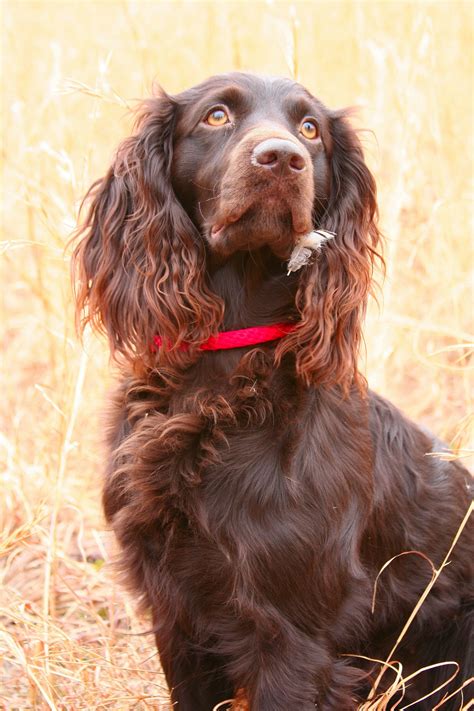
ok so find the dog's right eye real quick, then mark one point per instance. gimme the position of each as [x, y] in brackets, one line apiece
[217, 117]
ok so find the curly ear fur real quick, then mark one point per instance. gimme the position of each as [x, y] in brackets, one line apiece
[333, 290]
[140, 262]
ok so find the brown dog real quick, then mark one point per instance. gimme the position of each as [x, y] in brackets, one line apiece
[257, 490]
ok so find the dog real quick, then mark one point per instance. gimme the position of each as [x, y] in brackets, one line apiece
[255, 484]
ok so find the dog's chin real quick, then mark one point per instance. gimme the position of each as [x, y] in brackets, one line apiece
[253, 230]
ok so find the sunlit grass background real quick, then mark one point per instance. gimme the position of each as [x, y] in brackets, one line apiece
[68, 634]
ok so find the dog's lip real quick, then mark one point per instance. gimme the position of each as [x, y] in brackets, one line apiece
[302, 224]
[217, 230]
[218, 227]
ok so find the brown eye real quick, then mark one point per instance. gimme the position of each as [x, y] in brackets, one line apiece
[309, 129]
[217, 117]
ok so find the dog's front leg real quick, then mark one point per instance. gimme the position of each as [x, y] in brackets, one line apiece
[196, 678]
[283, 669]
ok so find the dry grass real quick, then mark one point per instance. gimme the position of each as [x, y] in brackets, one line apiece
[68, 635]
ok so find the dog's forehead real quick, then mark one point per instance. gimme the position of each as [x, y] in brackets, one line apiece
[261, 87]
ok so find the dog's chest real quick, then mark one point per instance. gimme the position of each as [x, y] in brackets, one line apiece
[247, 534]
[253, 522]
[233, 508]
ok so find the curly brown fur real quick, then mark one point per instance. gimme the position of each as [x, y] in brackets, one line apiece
[257, 492]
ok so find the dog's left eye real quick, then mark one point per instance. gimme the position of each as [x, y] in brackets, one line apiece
[217, 117]
[309, 129]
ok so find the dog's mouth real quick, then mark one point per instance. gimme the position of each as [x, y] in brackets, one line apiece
[278, 226]
[301, 223]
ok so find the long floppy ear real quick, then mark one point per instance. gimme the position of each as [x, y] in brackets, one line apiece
[333, 290]
[140, 263]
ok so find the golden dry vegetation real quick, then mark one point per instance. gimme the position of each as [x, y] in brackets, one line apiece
[68, 635]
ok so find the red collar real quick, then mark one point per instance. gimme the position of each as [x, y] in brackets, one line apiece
[242, 337]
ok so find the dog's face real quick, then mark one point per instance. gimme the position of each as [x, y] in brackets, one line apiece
[236, 164]
[250, 163]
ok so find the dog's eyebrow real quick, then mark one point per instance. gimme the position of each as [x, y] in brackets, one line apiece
[231, 95]
[299, 106]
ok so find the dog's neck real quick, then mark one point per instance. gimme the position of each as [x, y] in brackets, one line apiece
[255, 288]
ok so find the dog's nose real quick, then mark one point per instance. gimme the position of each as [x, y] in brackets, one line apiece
[279, 155]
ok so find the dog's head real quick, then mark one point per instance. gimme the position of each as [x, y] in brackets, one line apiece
[238, 163]
[249, 162]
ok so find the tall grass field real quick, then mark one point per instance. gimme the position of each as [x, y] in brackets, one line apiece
[72, 71]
